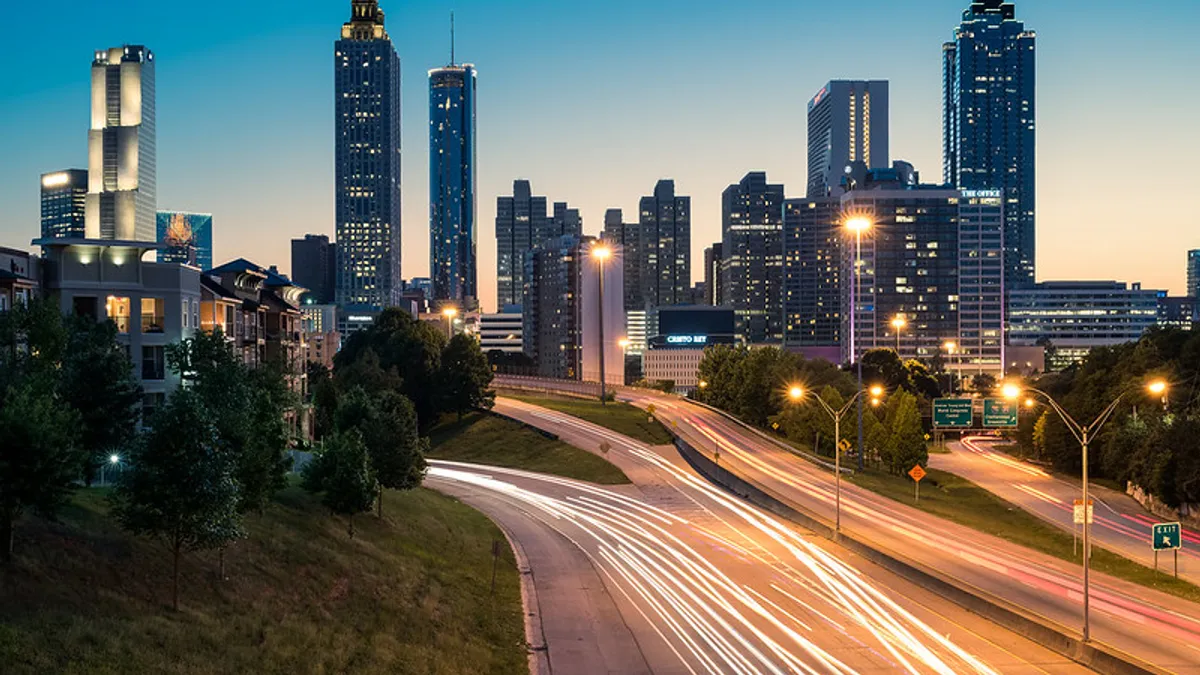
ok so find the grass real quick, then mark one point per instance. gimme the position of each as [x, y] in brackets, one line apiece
[619, 417]
[410, 594]
[488, 439]
[961, 501]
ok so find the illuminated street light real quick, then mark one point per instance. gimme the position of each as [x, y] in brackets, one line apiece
[898, 324]
[858, 223]
[876, 391]
[449, 313]
[601, 253]
[623, 342]
[114, 459]
[703, 384]
[1029, 403]
[1084, 433]
[796, 393]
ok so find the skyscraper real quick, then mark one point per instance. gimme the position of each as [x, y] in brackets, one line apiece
[847, 122]
[551, 323]
[712, 274]
[452, 183]
[625, 239]
[185, 238]
[664, 256]
[122, 198]
[989, 122]
[314, 266]
[64, 202]
[752, 268]
[811, 267]
[367, 161]
[517, 219]
[1193, 273]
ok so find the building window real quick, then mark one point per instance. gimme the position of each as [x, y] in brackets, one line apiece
[150, 404]
[153, 363]
[84, 306]
[119, 311]
[195, 313]
[186, 312]
[153, 311]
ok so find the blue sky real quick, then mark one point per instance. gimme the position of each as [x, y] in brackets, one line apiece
[594, 102]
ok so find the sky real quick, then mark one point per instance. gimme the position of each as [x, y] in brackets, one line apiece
[594, 102]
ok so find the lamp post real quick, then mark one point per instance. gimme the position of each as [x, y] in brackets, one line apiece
[114, 460]
[797, 394]
[857, 224]
[450, 313]
[601, 254]
[1084, 433]
[898, 324]
[951, 347]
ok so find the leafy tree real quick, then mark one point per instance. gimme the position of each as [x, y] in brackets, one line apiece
[33, 342]
[341, 473]
[387, 423]
[921, 381]
[984, 383]
[465, 377]
[40, 458]
[906, 448]
[97, 380]
[179, 486]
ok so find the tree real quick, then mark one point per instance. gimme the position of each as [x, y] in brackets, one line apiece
[40, 458]
[97, 380]
[179, 486]
[387, 423]
[906, 448]
[33, 341]
[341, 473]
[984, 383]
[465, 377]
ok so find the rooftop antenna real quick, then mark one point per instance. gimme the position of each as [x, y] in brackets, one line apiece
[451, 37]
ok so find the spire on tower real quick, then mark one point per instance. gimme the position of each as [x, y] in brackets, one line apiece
[451, 37]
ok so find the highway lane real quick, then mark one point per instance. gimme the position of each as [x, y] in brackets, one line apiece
[1120, 524]
[708, 583]
[1156, 627]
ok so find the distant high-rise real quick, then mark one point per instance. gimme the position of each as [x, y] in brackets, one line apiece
[367, 161]
[520, 221]
[847, 122]
[752, 268]
[64, 200]
[565, 220]
[812, 260]
[185, 238]
[122, 196]
[989, 122]
[452, 244]
[1193, 273]
[664, 258]
[314, 266]
[712, 274]
[625, 237]
[552, 326]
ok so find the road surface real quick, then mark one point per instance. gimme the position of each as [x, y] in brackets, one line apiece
[1120, 524]
[672, 575]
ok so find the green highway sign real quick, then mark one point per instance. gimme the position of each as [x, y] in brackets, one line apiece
[953, 413]
[999, 413]
[1166, 536]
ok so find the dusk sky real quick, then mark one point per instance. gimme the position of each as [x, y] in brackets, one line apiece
[594, 102]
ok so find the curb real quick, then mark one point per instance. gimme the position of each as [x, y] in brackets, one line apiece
[531, 607]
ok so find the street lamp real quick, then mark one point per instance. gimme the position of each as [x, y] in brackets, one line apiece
[113, 460]
[898, 324]
[797, 393]
[1084, 433]
[450, 313]
[951, 347]
[858, 224]
[601, 254]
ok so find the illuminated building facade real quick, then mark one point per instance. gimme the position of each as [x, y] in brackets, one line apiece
[122, 193]
[367, 161]
[847, 122]
[64, 203]
[752, 264]
[452, 236]
[185, 238]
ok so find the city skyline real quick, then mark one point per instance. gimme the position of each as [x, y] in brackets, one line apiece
[284, 193]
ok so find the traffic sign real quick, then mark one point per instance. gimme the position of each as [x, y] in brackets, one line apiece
[1166, 536]
[953, 413]
[917, 473]
[1091, 515]
[845, 445]
[998, 413]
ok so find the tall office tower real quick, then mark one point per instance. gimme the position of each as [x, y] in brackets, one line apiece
[812, 260]
[1193, 273]
[121, 200]
[752, 273]
[314, 266]
[665, 255]
[712, 275]
[551, 322]
[989, 122]
[934, 256]
[64, 202]
[452, 263]
[847, 122]
[185, 238]
[520, 221]
[625, 238]
[367, 161]
[565, 221]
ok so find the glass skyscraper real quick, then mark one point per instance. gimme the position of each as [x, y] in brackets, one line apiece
[64, 199]
[121, 201]
[185, 238]
[452, 243]
[752, 266]
[665, 254]
[813, 234]
[520, 223]
[847, 122]
[988, 122]
[1193, 273]
[367, 161]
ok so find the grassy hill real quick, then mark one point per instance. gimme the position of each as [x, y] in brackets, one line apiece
[410, 594]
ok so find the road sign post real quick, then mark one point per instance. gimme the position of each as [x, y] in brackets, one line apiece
[1167, 537]
[917, 474]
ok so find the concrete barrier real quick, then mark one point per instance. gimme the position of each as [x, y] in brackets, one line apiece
[1097, 656]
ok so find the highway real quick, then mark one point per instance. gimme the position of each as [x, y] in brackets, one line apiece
[704, 583]
[1120, 524]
